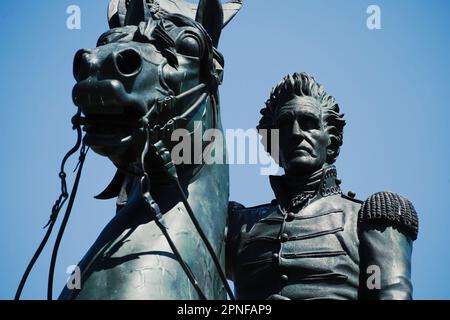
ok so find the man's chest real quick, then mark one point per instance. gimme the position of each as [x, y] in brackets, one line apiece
[315, 246]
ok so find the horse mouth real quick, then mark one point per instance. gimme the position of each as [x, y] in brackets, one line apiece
[109, 130]
[111, 116]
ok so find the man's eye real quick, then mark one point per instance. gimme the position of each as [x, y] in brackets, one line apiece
[309, 123]
[284, 121]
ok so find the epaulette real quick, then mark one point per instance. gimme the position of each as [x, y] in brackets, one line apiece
[391, 209]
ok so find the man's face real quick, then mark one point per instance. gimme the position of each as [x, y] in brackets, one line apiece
[303, 139]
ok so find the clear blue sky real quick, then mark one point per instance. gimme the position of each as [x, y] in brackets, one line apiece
[391, 83]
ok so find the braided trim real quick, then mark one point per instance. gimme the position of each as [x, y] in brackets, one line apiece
[393, 209]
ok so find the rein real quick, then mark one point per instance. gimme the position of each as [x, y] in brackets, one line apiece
[57, 208]
[166, 161]
[154, 143]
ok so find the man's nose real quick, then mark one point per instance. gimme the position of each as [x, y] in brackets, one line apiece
[121, 64]
[297, 131]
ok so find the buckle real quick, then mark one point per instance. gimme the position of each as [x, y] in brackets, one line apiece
[166, 159]
[166, 103]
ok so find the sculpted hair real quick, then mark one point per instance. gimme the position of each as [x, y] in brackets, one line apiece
[304, 85]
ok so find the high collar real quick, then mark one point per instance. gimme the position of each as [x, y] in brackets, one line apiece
[289, 189]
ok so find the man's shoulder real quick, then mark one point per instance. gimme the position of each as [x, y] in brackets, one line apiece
[347, 203]
[381, 209]
[350, 197]
[390, 209]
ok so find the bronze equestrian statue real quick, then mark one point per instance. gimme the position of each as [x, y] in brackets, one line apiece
[156, 70]
[159, 62]
[175, 235]
[312, 241]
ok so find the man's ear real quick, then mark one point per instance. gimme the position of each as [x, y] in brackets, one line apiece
[330, 150]
[330, 153]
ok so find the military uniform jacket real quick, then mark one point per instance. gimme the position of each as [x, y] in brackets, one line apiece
[334, 247]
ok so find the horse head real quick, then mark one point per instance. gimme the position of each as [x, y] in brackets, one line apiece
[156, 70]
[158, 65]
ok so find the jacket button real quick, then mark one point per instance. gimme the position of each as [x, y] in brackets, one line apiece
[284, 237]
[284, 278]
[290, 217]
[275, 257]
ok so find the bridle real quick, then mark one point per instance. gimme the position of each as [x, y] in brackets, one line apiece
[62, 198]
[156, 145]
[153, 143]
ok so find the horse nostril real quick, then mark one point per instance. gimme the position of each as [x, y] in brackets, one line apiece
[80, 65]
[128, 62]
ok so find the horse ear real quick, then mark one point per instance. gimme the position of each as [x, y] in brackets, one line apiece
[117, 11]
[210, 15]
[137, 12]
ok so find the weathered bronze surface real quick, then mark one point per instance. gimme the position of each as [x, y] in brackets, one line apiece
[313, 242]
[156, 70]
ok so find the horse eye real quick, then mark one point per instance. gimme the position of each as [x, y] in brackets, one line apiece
[102, 41]
[189, 46]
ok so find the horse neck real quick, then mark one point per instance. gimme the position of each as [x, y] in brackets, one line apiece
[187, 173]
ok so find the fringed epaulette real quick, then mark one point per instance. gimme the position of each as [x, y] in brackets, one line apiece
[391, 209]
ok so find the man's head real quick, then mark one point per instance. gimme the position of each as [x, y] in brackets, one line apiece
[309, 122]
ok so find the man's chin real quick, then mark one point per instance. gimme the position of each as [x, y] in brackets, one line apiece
[302, 166]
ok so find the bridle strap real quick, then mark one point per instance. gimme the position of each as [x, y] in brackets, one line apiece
[59, 202]
[155, 212]
[170, 168]
[166, 161]
[62, 228]
[152, 206]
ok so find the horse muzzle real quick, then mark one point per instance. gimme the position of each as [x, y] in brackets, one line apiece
[106, 97]
[112, 118]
